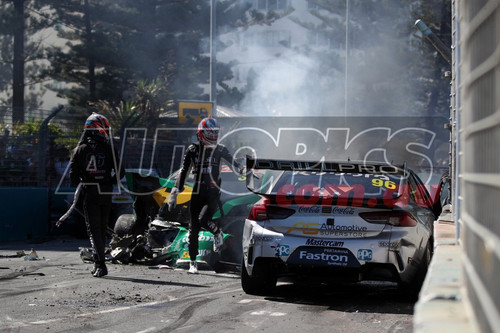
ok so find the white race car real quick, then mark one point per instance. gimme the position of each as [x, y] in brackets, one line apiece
[340, 221]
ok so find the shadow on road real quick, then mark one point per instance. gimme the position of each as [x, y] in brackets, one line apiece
[54, 244]
[368, 297]
[154, 282]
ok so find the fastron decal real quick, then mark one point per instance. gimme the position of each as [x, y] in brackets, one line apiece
[317, 256]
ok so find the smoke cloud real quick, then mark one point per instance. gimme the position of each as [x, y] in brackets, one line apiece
[292, 68]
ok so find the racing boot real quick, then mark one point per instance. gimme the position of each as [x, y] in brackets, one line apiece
[218, 240]
[95, 261]
[193, 267]
[100, 269]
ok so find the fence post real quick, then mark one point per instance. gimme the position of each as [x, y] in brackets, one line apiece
[42, 140]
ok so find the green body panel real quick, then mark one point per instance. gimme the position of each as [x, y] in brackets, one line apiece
[239, 201]
[179, 249]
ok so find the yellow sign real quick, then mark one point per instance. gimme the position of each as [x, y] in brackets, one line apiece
[192, 112]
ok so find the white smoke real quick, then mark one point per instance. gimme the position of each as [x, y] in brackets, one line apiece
[287, 86]
[285, 69]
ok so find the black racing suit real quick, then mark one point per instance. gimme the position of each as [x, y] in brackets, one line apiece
[91, 165]
[206, 190]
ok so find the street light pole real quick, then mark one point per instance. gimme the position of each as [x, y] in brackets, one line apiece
[213, 80]
[346, 56]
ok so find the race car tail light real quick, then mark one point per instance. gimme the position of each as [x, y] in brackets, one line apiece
[263, 210]
[395, 218]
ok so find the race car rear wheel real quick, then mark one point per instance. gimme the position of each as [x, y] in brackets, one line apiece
[262, 282]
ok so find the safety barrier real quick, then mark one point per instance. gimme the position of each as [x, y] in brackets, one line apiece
[24, 214]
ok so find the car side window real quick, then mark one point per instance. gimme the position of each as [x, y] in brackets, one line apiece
[419, 192]
[413, 189]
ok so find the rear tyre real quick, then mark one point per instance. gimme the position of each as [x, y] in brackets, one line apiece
[424, 266]
[412, 289]
[262, 282]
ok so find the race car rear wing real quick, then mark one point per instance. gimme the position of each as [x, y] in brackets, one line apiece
[257, 181]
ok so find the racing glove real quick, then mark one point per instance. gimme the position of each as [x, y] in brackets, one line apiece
[172, 200]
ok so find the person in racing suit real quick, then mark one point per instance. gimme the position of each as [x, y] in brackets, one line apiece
[205, 158]
[91, 167]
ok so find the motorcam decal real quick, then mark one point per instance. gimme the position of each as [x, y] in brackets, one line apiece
[321, 242]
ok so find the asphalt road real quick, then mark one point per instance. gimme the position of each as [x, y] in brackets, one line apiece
[58, 294]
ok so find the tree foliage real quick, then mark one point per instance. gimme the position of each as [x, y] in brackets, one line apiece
[33, 128]
[35, 53]
[134, 58]
[130, 42]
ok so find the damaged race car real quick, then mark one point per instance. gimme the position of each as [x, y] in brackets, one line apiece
[140, 238]
[338, 222]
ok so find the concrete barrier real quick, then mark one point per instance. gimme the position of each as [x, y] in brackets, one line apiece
[24, 213]
[442, 304]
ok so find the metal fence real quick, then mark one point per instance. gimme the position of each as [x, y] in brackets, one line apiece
[20, 160]
[26, 162]
[41, 158]
[478, 55]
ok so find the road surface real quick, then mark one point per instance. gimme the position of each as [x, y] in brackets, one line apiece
[58, 294]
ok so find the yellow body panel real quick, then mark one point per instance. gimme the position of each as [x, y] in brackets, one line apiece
[162, 196]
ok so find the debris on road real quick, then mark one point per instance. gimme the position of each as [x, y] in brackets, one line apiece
[161, 267]
[32, 256]
[18, 254]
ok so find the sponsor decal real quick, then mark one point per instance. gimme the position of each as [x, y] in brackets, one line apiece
[282, 250]
[310, 210]
[333, 210]
[316, 256]
[342, 211]
[365, 254]
[263, 238]
[322, 242]
[201, 238]
[325, 227]
[323, 166]
[391, 245]
[201, 253]
[311, 228]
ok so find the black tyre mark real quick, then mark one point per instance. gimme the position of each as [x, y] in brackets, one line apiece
[187, 314]
[13, 275]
